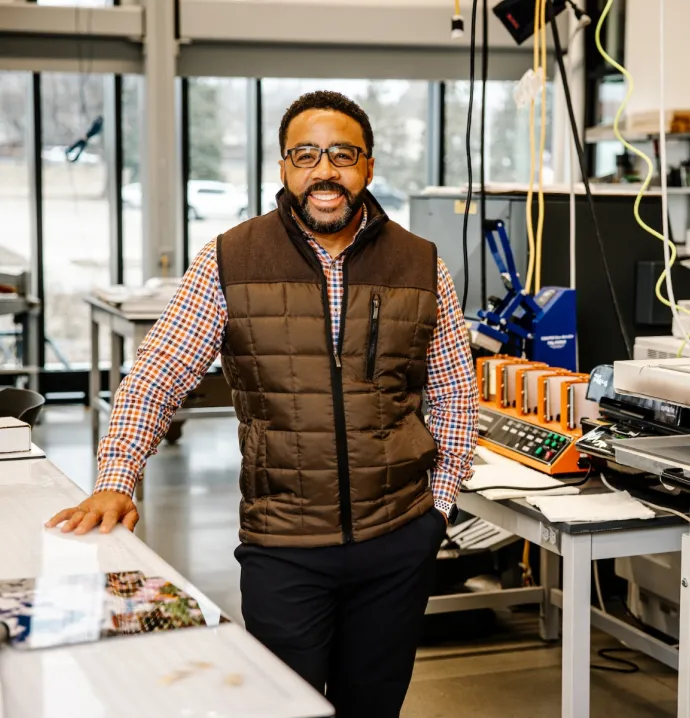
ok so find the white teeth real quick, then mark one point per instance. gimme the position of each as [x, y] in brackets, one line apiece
[325, 197]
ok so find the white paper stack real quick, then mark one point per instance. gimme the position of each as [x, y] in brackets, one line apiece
[517, 482]
[15, 435]
[614, 506]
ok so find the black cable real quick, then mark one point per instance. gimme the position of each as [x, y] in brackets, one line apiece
[605, 654]
[581, 482]
[468, 150]
[581, 160]
[482, 166]
[73, 152]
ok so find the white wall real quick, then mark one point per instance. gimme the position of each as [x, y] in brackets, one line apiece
[642, 43]
[404, 22]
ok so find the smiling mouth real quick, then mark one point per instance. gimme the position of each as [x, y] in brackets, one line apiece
[326, 200]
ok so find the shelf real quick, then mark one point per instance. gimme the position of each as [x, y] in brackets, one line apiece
[594, 135]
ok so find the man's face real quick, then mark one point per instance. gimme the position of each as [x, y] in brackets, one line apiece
[326, 198]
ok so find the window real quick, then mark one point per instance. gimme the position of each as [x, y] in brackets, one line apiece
[217, 187]
[611, 93]
[76, 228]
[507, 134]
[397, 110]
[132, 222]
[15, 240]
[15, 210]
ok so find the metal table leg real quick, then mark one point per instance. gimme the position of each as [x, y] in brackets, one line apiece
[684, 647]
[549, 614]
[577, 586]
[94, 384]
[115, 365]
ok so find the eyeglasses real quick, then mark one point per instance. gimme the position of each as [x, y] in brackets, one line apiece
[307, 157]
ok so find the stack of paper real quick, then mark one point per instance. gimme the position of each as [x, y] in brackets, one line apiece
[614, 506]
[152, 297]
[517, 481]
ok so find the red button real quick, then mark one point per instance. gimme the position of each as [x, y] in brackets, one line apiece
[548, 455]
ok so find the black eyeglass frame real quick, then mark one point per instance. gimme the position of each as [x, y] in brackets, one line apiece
[322, 152]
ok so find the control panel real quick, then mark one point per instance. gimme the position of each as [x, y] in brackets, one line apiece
[528, 442]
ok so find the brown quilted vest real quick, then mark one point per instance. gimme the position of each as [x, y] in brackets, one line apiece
[334, 447]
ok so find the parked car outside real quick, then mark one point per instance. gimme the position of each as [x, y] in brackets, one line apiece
[206, 199]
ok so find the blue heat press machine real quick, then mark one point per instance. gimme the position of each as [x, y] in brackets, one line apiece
[541, 328]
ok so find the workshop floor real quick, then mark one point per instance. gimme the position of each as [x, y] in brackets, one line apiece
[189, 517]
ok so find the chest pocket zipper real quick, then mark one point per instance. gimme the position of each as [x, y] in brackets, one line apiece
[373, 335]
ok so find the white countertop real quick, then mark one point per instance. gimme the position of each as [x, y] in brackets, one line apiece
[125, 677]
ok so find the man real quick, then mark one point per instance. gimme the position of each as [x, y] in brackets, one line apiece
[331, 321]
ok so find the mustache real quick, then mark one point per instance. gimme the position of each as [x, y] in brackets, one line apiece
[327, 186]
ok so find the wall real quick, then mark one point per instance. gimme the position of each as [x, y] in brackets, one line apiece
[642, 43]
[387, 22]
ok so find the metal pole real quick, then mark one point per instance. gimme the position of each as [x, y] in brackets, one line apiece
[577, 586]
[254, 143]
[684, 638]
[436, 135]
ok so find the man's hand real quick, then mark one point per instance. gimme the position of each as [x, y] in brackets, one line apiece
[107, 508]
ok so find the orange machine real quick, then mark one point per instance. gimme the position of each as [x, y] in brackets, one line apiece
[535, 436]
[506, 385]
[486, 374]
[549, 394]
[577, 406]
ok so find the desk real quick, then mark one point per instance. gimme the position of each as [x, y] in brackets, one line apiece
[579, 544]
[122, 326]
[122, 676]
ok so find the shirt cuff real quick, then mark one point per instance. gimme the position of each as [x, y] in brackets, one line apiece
[119, 479]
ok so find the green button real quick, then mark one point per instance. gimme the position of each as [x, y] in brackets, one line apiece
[539, 451]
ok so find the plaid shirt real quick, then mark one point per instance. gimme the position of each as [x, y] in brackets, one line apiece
[187, 338]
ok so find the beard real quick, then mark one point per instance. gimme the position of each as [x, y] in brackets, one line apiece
[300, 205]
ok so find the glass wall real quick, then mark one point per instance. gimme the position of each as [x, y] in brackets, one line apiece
[15, 210]
[397, 110]
[507, 134]
[76, 224]
[15, 236]
[217, 187]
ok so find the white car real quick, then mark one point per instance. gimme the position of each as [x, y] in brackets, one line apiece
[207, 199]
[269, 190]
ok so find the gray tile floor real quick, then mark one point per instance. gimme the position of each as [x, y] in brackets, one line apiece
[189, 517]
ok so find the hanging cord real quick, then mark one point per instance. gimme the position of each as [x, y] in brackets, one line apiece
[482, 132]
[532, 157]
[670, 252]
[588, 190]
[468, 150]
[74, 151]
[542, 147]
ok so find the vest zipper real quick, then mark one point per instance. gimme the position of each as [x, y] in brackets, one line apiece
[373, 336]
[339, 405]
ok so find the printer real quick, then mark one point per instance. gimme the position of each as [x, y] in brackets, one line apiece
[644, 436]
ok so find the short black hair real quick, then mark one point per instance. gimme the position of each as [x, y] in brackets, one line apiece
[327, 100]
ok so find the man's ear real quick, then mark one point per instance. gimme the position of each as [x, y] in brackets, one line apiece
[370, 170]
[281, 164]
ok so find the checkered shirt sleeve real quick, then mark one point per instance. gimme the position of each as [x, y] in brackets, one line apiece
[452, 396]
[171, 361]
